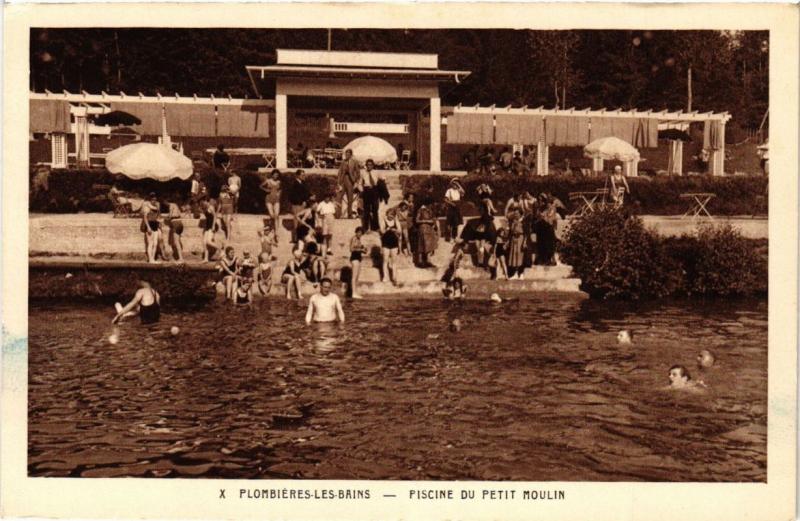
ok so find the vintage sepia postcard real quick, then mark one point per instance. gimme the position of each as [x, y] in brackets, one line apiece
[400, 261]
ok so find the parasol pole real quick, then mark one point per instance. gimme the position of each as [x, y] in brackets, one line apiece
[165, 139]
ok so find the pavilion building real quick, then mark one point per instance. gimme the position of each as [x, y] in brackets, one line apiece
[321, 98]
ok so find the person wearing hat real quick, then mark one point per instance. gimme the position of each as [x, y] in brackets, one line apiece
[452, 198]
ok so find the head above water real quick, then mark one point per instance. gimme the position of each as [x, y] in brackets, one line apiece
[624, 337]
[679, 376]
[706, 358]
[325, 285]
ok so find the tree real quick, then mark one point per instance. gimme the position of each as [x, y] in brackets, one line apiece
[552, 54]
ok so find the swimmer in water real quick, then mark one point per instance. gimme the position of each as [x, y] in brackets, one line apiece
[679, 378]
[455, 288]
[243, 293]
[705, 359]
[324, 306]
[624, 337]
[148, 302]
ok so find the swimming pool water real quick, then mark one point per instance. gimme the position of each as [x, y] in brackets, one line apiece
[536, 388]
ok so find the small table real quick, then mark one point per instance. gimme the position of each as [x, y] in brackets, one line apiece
[588, 200]
[697, 203]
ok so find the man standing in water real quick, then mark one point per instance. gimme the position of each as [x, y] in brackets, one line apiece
[147, 300]
[324, 306]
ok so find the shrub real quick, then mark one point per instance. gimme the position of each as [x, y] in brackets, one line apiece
[719, 261]
[615, 256]
[737, 195]
[87, 190]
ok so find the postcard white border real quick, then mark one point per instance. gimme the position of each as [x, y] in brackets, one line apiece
[196, 499]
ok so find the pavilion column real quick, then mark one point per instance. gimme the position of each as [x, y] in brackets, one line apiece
[677, 157]
[82, 141]
[717, 160]
[280, 131]
[436, 138]
[598, 165]
[632, 168]
[542, 158]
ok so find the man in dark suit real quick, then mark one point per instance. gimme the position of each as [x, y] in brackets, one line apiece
[349, 175]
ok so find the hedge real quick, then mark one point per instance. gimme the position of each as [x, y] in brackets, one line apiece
[660, 195]
[73, 191]
[616, 257]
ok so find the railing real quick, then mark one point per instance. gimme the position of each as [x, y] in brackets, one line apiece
[371, 128]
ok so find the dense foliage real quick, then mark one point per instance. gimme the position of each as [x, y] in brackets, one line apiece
[588, 68]
[660, 195]
[720, 262]
[87, 190]
[616, 257]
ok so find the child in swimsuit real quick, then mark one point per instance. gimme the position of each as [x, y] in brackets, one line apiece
[357, 251]
[264, 273]
[247, 268]
[500, 246]
[326, 217]
[267, 237]
[403, 218]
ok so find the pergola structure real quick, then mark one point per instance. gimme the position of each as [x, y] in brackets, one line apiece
[361, 81]
[64, 113]
[530, 127]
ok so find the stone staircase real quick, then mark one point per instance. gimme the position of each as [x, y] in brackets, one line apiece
[101, 236]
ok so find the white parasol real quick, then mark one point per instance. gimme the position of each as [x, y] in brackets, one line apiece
[371, 147]
[149, 160]
[611, 148]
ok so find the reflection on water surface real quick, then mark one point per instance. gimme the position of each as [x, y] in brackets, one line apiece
[534, 389]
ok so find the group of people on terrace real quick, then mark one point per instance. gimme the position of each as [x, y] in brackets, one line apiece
[503, 241]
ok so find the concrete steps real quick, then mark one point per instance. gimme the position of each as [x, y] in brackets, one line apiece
[119, 240]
